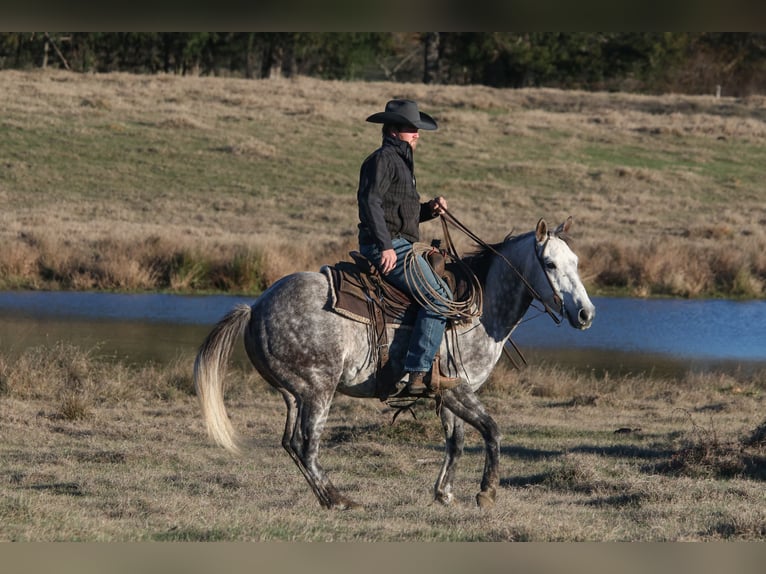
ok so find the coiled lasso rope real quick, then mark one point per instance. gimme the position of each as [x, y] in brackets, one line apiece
[469, 307]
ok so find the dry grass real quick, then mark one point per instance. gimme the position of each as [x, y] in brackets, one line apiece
[193, 184]
[190, 184]
[95, 450]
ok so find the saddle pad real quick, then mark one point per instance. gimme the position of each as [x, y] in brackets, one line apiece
[355, 296]
[347, 295]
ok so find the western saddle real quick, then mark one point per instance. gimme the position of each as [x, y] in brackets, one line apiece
[359, 292]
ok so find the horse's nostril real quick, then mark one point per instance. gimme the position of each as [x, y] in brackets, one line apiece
[584, 316]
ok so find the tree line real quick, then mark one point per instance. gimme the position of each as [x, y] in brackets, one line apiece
[649, 62]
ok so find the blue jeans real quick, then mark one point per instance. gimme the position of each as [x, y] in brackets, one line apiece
[429, 326]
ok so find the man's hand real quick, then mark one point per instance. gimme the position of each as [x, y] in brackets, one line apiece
[438, 205]
[387, 261]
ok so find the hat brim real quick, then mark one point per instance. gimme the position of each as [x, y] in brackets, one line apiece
[426, 122]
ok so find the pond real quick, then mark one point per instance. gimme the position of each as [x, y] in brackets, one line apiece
[628, 335]
[657, 335]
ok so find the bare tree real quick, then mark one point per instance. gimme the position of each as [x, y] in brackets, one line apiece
[49, 42]
[431, 72]
[278, 55]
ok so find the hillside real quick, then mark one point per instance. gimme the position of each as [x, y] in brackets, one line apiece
[132, 182]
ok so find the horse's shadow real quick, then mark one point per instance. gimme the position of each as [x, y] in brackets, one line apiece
[652, 456]
[617, 451]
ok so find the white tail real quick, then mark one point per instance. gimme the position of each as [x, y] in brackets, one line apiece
[210, 371]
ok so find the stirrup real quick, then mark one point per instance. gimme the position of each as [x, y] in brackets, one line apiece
[438, 382]
[442, 383]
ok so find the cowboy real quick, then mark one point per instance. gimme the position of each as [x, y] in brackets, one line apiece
[390, 212]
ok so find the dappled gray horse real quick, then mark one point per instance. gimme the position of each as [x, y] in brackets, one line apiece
[309, 352]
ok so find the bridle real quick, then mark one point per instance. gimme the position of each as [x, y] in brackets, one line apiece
[447, 217]
[557, 299]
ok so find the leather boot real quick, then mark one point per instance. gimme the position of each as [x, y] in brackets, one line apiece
[420, 384]
[416, 385]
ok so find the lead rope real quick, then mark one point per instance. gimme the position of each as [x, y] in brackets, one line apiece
[469, 307]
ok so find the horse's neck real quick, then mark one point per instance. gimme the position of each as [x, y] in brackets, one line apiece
[506, 297]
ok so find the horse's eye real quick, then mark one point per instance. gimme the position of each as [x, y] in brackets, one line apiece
[550, 265]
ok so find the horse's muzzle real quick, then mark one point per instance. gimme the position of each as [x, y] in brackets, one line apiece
[585, 317]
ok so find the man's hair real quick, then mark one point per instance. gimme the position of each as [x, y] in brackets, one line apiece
[388, 128]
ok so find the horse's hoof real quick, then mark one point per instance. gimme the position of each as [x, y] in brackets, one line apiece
[444, 498]
[485, 499]
[346, 504]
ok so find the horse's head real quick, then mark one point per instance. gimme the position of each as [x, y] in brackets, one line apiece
[559, 283]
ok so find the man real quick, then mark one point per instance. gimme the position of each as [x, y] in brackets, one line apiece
[390, 212]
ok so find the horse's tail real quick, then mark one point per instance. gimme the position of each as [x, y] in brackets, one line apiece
[210, 370]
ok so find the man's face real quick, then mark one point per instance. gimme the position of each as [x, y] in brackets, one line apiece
[409, 135]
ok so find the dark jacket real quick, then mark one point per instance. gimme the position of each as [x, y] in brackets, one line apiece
[389, 204]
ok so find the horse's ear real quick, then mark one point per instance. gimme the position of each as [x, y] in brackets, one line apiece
[542, 230]
[564, 227]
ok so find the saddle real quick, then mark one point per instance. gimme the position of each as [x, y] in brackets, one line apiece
[359, 292]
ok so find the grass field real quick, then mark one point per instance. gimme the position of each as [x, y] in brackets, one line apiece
[144, 183]
[98, 451]
[219, 184]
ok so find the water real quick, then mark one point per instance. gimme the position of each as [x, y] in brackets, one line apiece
[666, 336]
[658, 335]
[138, 328]
[151, 308]
[714, 329]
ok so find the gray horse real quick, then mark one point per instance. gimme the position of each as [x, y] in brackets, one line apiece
[309, 352]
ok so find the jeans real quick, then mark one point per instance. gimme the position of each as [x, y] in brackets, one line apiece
[429, 326]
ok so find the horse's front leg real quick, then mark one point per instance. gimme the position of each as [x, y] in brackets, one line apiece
[454, 434]
[465, 404]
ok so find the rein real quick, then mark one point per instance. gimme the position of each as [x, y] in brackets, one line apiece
[447, 217]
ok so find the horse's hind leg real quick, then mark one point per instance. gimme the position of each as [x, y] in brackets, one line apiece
[291, 436]
[303, 428]
[454, 433]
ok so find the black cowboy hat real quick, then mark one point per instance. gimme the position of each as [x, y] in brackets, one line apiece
[403, 112]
